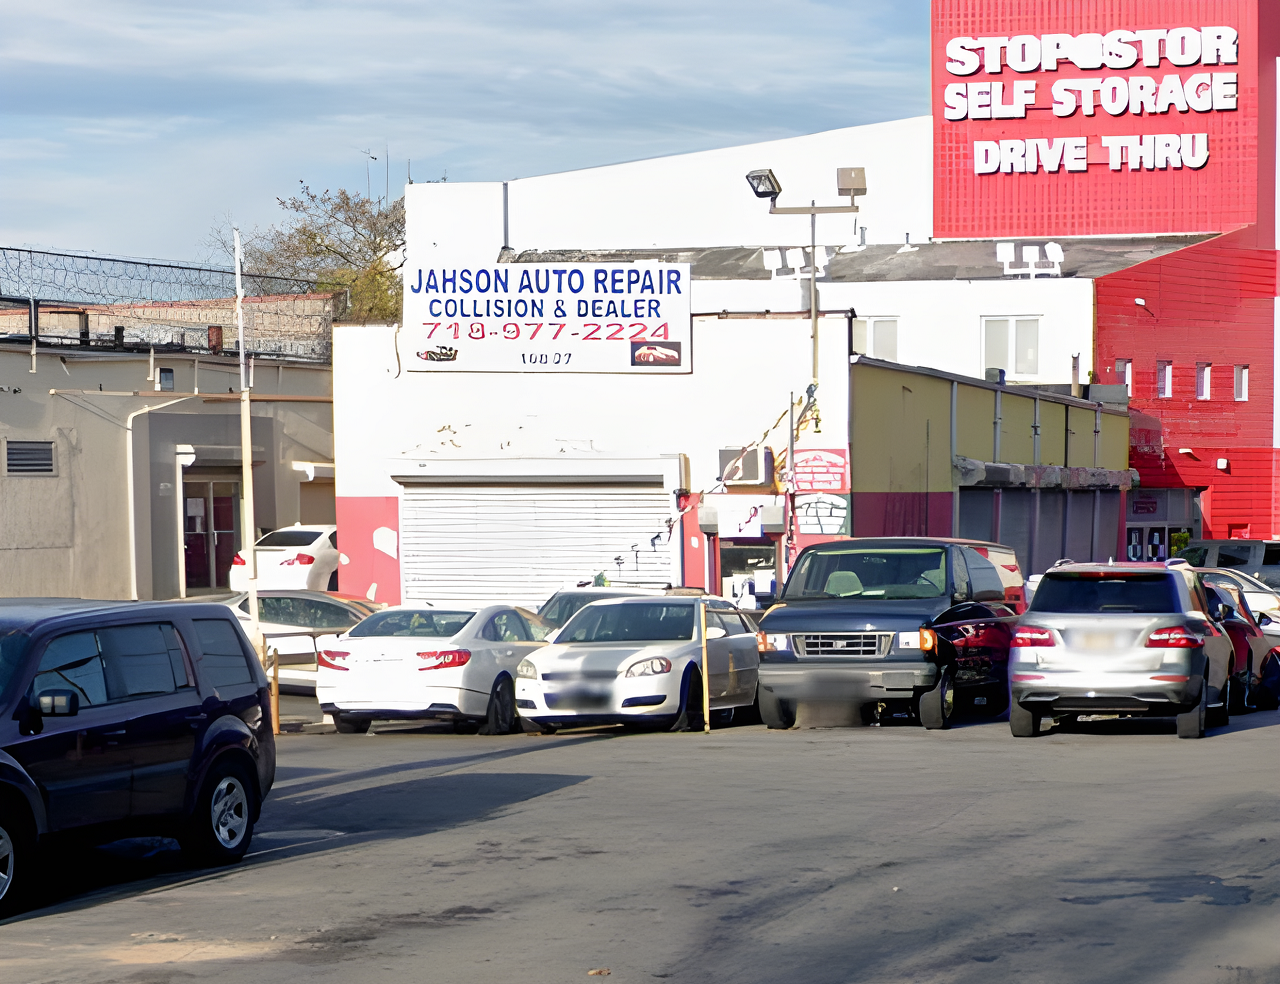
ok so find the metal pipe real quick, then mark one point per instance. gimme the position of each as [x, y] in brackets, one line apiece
[130, 491]
[996, 426]
[1035, 433]
[506, 226]
[249, 537]
[813, 288]
[955, 442]
[706, 678]
[1097, 433]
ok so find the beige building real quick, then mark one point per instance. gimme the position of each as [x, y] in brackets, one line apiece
[121, 467]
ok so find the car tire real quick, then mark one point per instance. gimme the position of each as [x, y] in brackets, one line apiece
[773, 712]
[467, 726]
[1241, 701]
[1022, 722]
[220, 827]
[1220, 716]
[937, 706]
[17, 855]
[501, 716]
[1191, 723]
[351, 726]
[690, 716]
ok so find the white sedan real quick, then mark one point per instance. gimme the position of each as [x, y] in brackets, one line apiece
[416, 662]
[297, 557]
[638, 661]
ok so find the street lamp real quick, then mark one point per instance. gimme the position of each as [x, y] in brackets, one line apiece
[850, 182]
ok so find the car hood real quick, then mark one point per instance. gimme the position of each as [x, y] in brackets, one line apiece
[603, 656]
[852, 615]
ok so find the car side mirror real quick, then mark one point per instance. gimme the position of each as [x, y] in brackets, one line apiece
[58, 703]
[1264, 619]
[1223, 612]
[715, 632]
[959, 596]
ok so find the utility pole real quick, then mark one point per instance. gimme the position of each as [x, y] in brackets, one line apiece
[249, 535]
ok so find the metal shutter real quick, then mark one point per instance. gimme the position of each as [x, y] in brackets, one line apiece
[29, 457]
[520, 544]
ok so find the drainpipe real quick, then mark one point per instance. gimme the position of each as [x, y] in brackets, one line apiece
[129, 485]
[955, 489]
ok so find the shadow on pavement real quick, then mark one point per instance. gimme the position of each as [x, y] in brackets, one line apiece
[75, 877]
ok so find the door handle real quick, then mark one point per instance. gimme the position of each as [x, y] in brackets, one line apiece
[120, 732]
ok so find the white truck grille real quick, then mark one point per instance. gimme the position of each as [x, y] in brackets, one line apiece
[844, 644]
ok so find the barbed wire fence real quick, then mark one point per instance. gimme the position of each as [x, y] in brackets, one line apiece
[95, 301]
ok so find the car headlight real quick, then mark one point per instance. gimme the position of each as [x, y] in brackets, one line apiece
[649, 667]
[527, 670]
[773, 642]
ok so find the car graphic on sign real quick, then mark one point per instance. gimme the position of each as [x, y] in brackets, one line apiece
[648, 354]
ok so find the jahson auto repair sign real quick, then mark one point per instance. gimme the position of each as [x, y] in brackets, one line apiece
[549, 317]
[1088, 117]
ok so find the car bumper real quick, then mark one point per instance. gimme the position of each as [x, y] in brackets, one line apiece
[600, 702]
[847, 682]
[427, 702]
[1065, 692]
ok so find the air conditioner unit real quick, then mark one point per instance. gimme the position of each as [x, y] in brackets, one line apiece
[746, 467]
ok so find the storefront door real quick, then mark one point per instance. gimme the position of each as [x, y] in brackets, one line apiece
[211, 532]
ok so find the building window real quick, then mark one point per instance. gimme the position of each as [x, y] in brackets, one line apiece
[1164, 380]
[29, 458]
[1012, 344]
[1242, 383]
[884, 339]
[164, 381]
[1202, 380]
[1124, 373]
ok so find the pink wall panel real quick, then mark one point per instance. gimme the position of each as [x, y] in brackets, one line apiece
[359, 518]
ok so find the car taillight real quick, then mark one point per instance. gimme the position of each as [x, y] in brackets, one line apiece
[303, 559]
[444, 659]
[328, 657]
[1023, 677]
[1171, 678]
[237, 561]
[1032, 636]
[1173, 637]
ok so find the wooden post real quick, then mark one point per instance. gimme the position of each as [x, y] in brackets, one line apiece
[706, 681]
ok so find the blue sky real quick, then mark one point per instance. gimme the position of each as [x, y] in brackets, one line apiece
[130, 127]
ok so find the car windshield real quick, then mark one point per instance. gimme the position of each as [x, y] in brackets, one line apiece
[1143, 594]
[869, 572]
[418, 624]
[656, 621]
[563, 605]
[289, 538]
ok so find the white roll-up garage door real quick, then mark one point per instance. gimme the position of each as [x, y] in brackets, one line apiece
[521, 543]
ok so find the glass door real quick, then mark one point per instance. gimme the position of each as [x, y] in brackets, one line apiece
[211, 534]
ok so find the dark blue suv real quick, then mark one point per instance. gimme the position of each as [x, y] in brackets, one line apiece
[120, 719]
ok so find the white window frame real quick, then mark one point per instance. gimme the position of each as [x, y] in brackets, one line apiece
[1204, 373]
[1009, 361]
[1164, 380]
[1124, 369]
[864, 336]
[1242, 384]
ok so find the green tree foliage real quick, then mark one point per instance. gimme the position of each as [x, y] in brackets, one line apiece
[340, 240]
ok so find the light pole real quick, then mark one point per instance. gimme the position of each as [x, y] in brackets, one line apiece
[850, 182]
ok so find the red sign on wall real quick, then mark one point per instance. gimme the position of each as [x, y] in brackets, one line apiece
[1104, 117]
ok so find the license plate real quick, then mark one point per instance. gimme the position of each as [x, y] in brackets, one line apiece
[578, 699]
[1097, 640]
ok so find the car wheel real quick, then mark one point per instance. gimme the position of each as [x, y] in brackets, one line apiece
[17, 850]
[722, 718]
[1220, 716]
[1022, 722]
[1241, 701]
[351, 726]
[221, 826]
[690, 716]
[773, 712]
[1191, 723]
[937, 706]
[501, 717]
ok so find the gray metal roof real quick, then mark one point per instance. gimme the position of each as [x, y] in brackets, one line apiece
[955, 260]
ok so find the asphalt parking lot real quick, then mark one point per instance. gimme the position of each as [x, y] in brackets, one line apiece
[874, 854]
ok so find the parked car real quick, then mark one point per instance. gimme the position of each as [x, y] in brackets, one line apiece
[320, 616]
[1250, 643]
[564, 604]
[375, 671]
[126, 719]
[1137, 639]
[297, 557]
[637, 661]
[871, 629]
[1261, 596]
[1261, 558]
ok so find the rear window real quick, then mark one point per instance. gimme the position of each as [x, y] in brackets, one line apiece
[1145, 594]
[414, 624]
[290, 538]
[225, 663]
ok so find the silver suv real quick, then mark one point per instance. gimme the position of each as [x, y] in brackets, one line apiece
[1133, 639]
